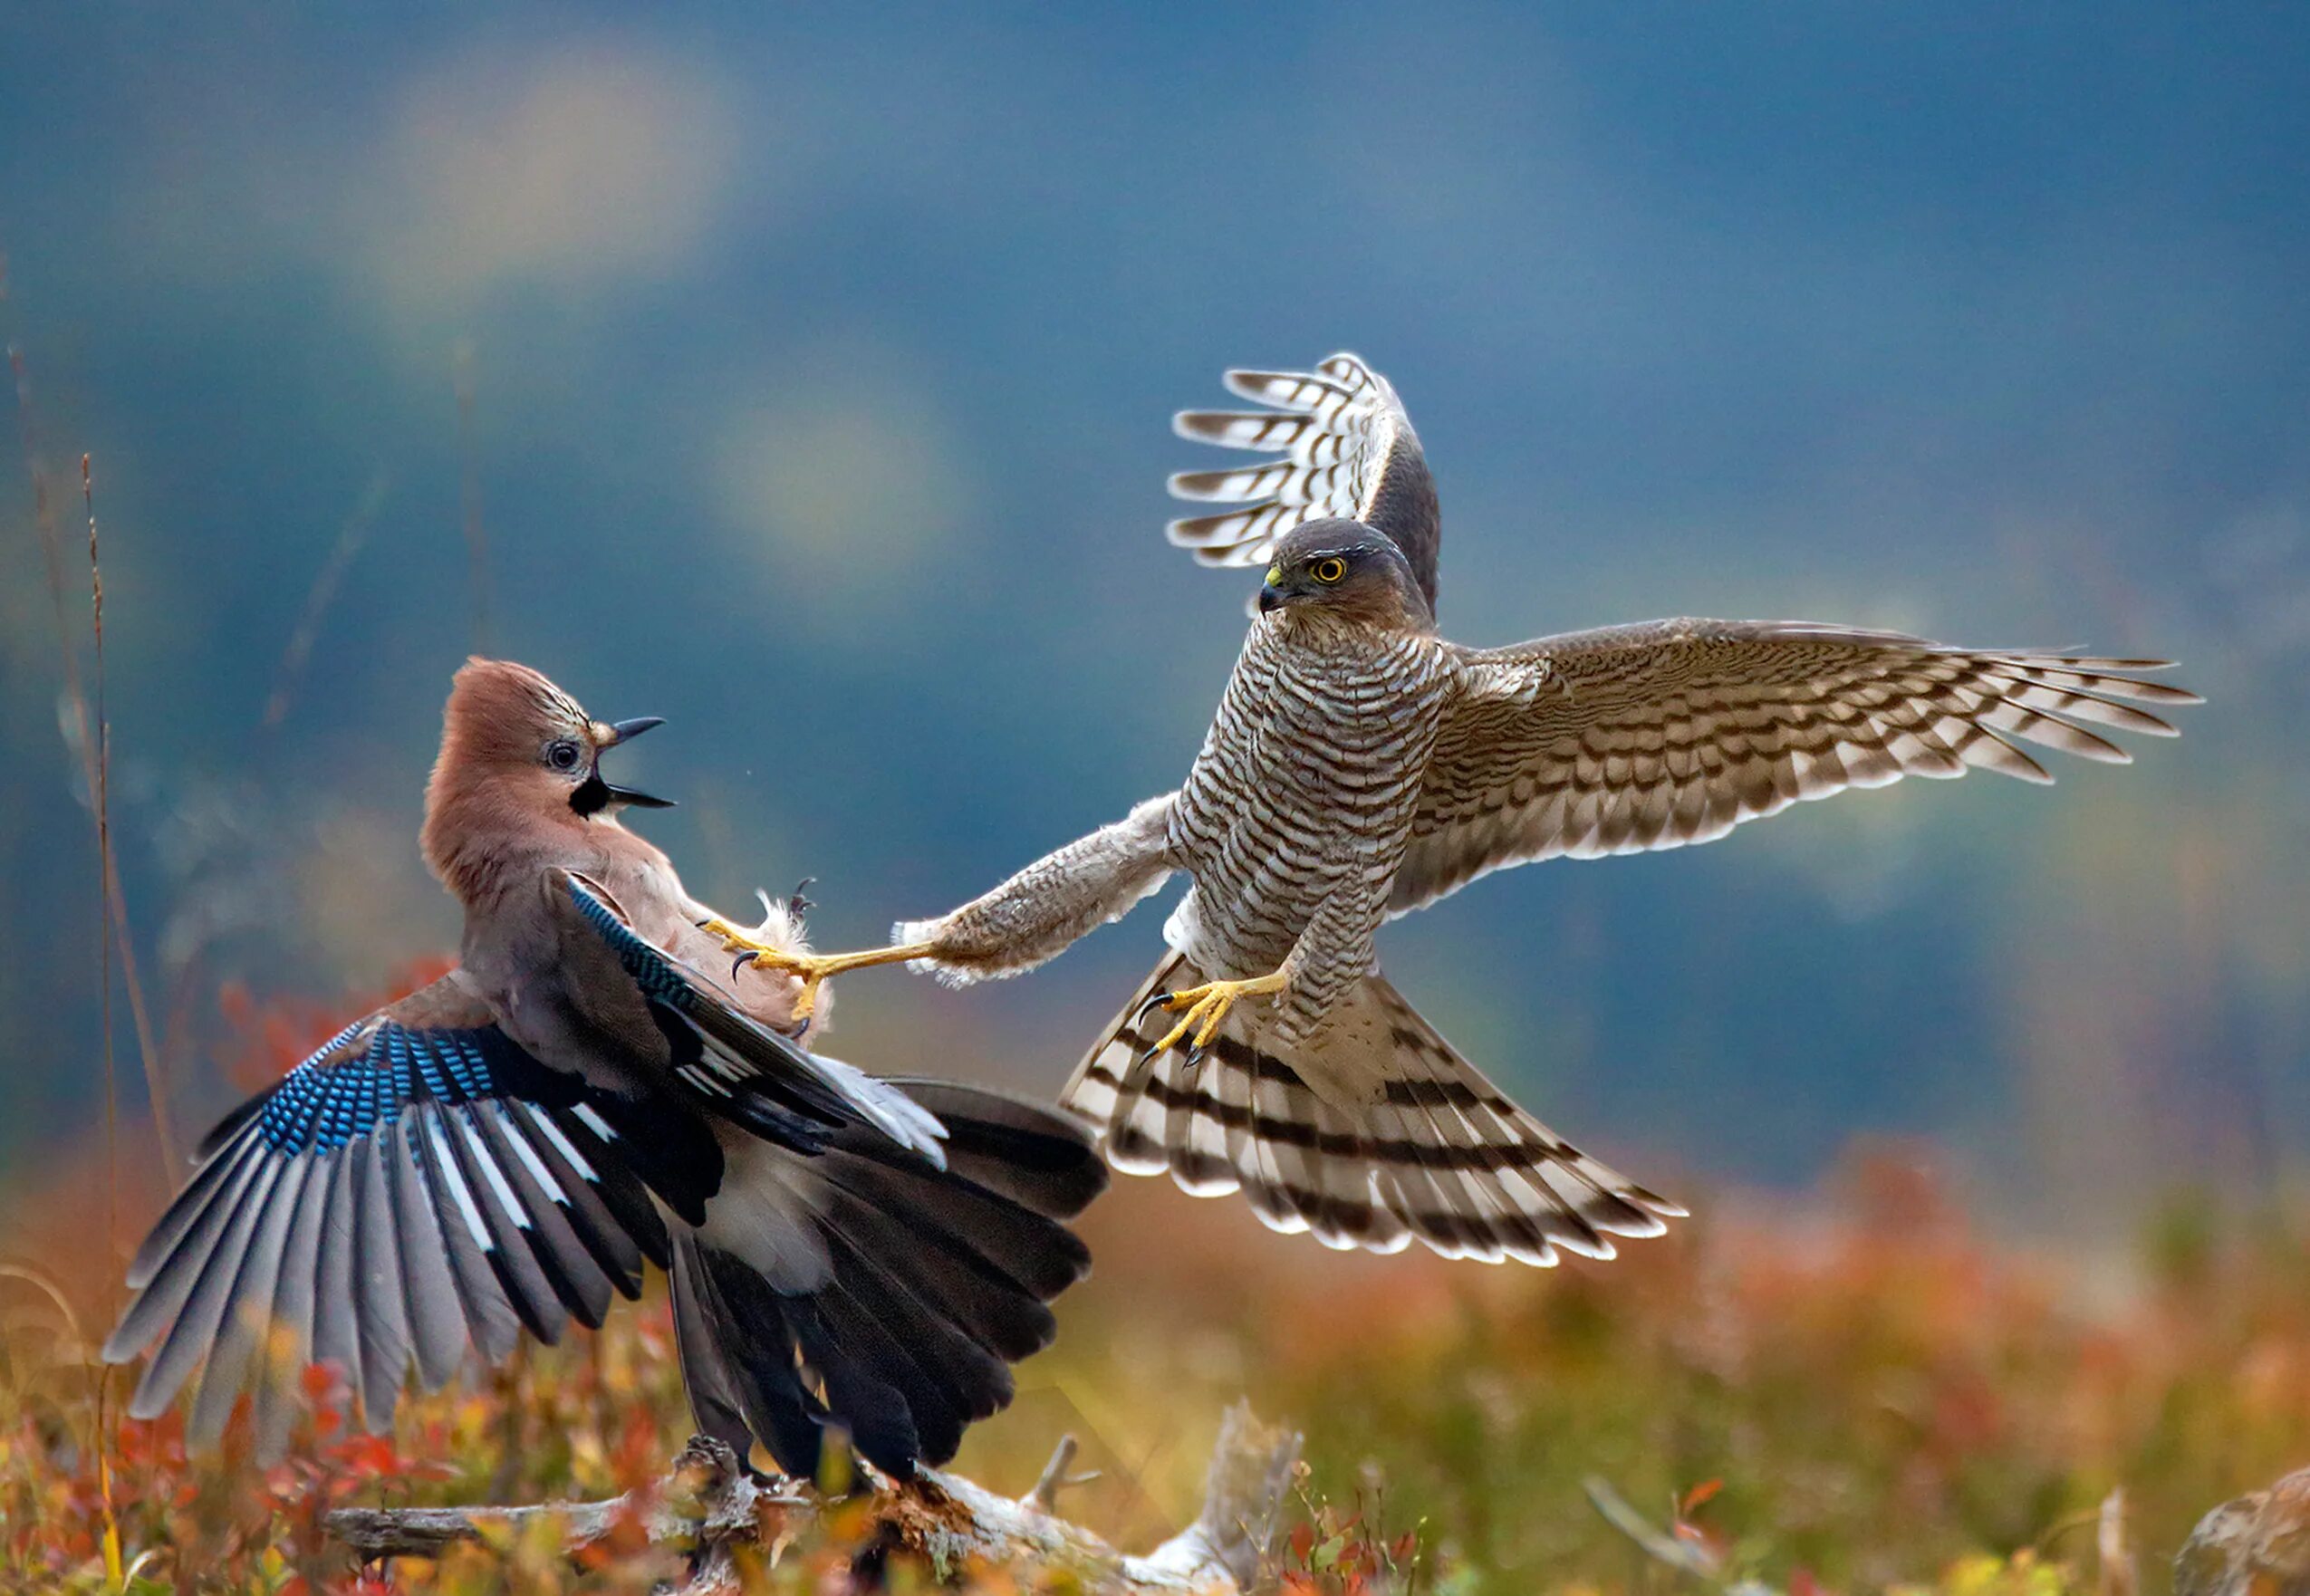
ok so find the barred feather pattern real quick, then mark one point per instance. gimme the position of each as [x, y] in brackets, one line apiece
[1375, 1133]
[1303, 797]
[1346, 448]
[1673, 732]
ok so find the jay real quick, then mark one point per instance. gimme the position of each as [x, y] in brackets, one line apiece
[503, 1149]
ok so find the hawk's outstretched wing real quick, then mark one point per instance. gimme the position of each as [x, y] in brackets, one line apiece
[1638, 737]
[1348, 450]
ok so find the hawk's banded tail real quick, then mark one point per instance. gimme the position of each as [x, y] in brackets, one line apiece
[1372, 1133]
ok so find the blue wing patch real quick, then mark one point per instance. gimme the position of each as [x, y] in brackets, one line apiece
[329, 1099]
[651, 971]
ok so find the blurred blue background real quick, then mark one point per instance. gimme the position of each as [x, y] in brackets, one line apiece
[806, 378]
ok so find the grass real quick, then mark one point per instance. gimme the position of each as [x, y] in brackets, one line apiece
[1849, 1393]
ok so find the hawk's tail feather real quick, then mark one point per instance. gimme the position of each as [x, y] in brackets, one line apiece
[1373, 1133]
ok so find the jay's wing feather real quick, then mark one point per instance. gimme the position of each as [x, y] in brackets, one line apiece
[1347, 449]
[739, 1068]
[866, 1291]
[426, 1186]
[1637, 737]
[418, 1185]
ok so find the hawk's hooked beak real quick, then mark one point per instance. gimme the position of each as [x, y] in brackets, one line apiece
[1271, 593]
[594, 793]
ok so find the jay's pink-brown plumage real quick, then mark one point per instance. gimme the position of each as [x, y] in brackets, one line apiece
[591, 1089]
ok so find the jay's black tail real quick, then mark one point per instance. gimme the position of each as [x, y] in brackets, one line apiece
[866, 1291]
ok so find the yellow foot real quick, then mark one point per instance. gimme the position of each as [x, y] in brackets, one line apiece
[1207, 1005]
[811, 967]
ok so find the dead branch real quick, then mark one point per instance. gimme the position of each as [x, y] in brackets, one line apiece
[709, 1507]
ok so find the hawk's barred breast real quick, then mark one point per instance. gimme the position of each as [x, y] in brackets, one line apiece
[1307, 782]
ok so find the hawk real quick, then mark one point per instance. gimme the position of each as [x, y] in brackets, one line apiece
[1361, 766]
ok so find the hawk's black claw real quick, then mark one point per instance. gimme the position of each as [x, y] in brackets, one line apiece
[797, 905]
[1150, 1006]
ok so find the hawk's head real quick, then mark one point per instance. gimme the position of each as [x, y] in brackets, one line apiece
[1347, 568]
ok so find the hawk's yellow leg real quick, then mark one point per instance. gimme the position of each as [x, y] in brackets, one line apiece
[1208, 1005]
[813, 968]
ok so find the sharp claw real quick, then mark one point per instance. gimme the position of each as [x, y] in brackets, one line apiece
[1195, 1057]
[1148, 1007]
[738, 964]
[797, 904]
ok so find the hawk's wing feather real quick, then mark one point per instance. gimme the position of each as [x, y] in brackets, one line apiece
[1638, 737]
[1348, 450]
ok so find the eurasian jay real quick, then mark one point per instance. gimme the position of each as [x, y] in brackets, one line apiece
[502, 1150]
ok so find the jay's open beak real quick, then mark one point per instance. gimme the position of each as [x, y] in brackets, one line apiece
[622, 731]
[618, 795]
[595, 794]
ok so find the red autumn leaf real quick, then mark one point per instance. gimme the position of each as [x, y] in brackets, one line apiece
[1302, 1544]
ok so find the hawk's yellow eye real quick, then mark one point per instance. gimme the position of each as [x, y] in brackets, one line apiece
[1328, 570]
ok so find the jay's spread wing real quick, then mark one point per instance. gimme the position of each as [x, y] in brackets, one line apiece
[418, 1184]
[739, 1068]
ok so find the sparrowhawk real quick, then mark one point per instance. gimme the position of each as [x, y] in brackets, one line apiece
[1361, 766]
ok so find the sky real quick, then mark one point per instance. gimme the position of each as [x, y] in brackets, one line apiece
[803, 376]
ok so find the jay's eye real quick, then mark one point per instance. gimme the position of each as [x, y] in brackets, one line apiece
[1328, 570]
[563, 754]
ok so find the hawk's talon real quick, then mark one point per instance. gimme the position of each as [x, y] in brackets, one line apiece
[1207, 1007]
[810, 968]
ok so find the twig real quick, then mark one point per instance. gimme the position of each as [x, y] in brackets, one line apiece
[705, 1473]
[325, 582]
[104, 795]
[1656, 1544]
[710, 1507]
[52, 557]
[1055, 1478]
[2117, 1574]
[469, 493]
